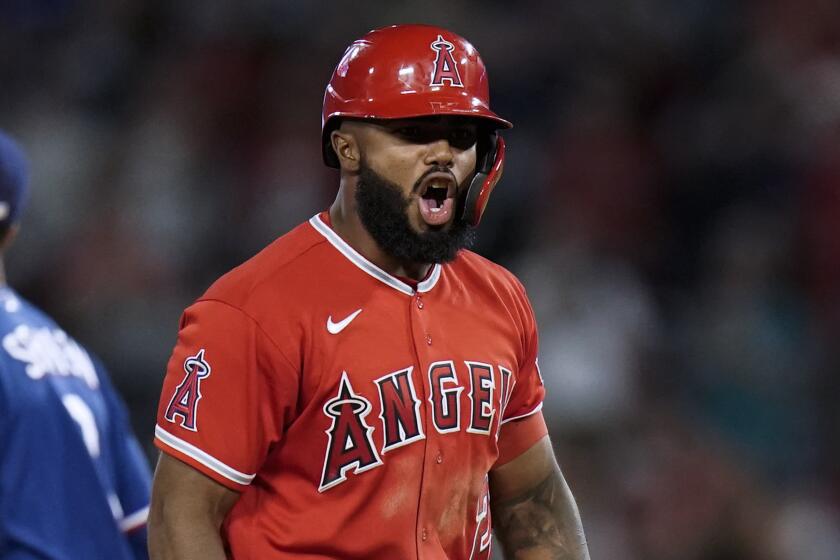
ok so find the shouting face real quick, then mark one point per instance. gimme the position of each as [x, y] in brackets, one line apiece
[412, 175]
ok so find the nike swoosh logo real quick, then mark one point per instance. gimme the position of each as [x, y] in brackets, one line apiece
[336, 328]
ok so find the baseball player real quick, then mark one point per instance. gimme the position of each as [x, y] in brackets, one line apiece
[74, 484]
[365, 387]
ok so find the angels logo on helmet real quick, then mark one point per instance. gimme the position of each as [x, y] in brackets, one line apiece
[446, 69]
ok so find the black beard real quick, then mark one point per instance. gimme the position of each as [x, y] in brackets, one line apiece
[384, 212]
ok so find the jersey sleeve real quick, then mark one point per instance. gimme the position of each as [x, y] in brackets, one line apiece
[227, 396]
[522, 421]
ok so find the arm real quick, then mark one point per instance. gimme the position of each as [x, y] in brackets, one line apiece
[187, 511]
[534, 513]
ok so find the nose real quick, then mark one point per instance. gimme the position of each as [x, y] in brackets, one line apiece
[440, 153]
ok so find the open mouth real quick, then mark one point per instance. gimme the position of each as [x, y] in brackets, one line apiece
[437, 198]
[436, 194]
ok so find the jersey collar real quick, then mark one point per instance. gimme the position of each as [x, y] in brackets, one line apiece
[357, 259]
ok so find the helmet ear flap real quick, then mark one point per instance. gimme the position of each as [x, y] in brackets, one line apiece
[488, 171]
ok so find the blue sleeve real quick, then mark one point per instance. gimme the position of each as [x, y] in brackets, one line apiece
[131, 470]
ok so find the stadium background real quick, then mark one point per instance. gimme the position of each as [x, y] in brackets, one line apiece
[671, 201]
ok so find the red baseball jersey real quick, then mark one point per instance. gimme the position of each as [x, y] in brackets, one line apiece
[357, 413]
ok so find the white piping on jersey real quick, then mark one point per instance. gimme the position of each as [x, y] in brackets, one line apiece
[367, 266]
[135, 520]
[207, 460]
[536, 409]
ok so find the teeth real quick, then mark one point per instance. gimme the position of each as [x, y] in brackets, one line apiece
[435, 210]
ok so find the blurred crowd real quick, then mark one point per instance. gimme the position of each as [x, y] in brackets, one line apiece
[671, 202]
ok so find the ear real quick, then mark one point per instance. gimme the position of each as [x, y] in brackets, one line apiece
[346, 146]
[8, 236]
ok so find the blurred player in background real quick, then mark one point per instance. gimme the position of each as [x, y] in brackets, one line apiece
[366, 387]
[74, 483]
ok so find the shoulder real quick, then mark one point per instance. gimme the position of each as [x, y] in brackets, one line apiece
[16, 311]
[31, 339]
[490, 286]
[276, 270]
[481, 272]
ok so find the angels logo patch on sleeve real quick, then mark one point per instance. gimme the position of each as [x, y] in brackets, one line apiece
[184, 402]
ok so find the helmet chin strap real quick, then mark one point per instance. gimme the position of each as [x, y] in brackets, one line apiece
[488, 172]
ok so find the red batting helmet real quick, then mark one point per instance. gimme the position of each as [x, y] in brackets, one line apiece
[406, 71]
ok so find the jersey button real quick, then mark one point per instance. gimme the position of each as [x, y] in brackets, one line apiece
[419, 302]
[423, 534]
[429, 339]
[439, 459]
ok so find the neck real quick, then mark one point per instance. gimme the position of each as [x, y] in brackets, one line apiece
[347, 224]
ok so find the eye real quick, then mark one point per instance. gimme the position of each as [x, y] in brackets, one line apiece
[409, 132]
[462, 137]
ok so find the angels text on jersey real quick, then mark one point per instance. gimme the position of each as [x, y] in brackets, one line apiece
[351, 443]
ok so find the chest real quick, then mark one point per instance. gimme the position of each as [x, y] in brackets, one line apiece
[400, 373]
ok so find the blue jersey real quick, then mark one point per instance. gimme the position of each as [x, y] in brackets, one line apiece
[74, 484]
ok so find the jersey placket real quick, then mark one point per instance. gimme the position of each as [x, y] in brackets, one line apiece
[423, 342]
